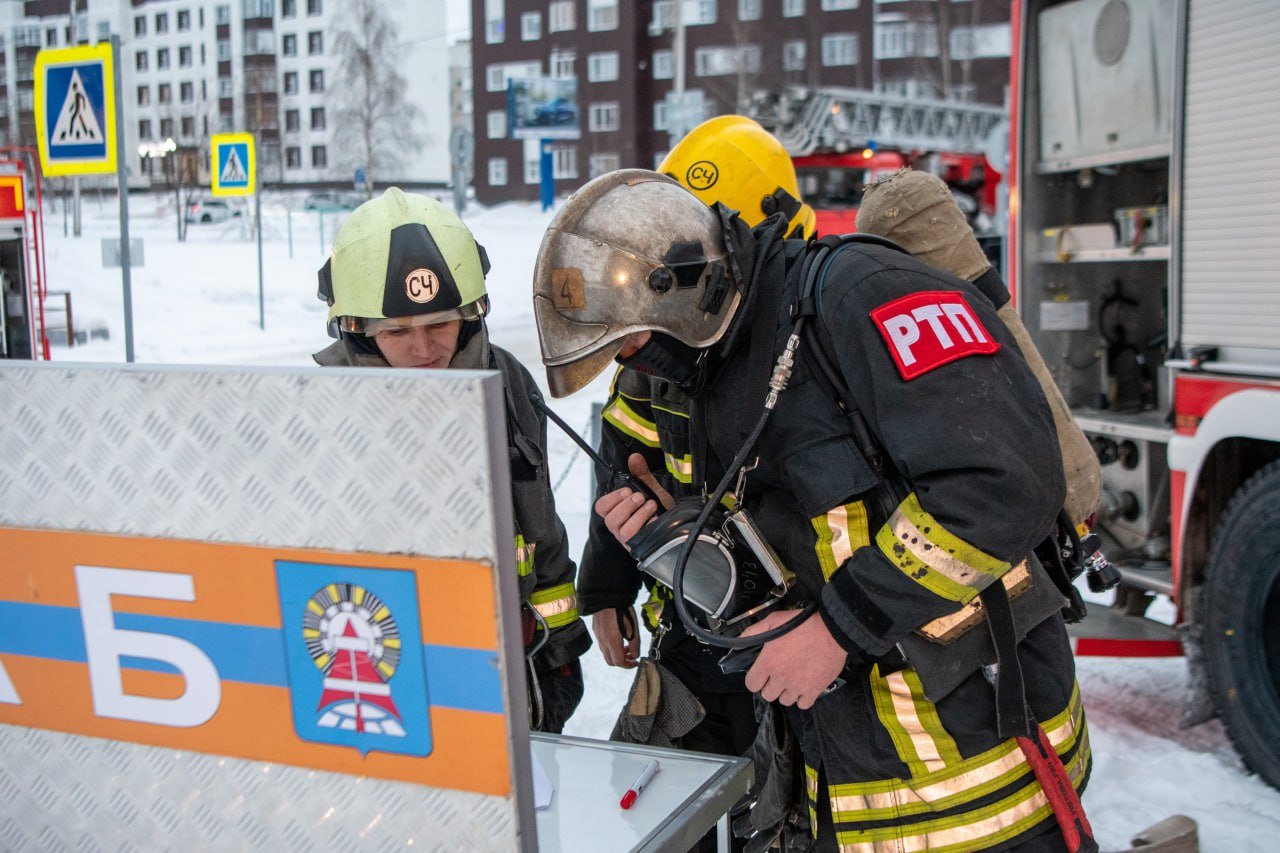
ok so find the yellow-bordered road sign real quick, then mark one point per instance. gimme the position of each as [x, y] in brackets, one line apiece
[75, 111]
[235, 166]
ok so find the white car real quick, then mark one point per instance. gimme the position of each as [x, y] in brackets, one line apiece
[210, 210]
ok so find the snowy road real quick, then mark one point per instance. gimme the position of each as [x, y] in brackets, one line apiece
[198, 303]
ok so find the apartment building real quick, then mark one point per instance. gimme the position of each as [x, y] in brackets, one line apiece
[191, 68]
[736, 52]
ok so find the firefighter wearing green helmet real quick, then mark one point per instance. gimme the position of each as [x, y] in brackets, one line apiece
[404, 283]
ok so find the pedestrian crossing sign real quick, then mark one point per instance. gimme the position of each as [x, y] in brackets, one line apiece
[75, 110]
[234, 167]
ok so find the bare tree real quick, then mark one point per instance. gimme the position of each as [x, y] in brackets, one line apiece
[376, 124]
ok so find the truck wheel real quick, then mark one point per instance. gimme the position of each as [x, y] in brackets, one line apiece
[1242, 621]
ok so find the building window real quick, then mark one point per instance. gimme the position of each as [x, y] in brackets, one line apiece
[314, 7]
[602, 164]
[319, 157]
[560, 16]
[661, 115]
[793, 54]
[840, 49]
[717, 61]
[222, 15]
[288, 9]
[144, 129]
[184, 20]
[902, 39]
[227, 90]
[202, 55]
[664, 66]
[164, 93]
[104, 30]
[184, 56]
[497, 75]
[564, 162]
[51, 37]
[290, 82]
[604, 117]
[140, 60]
[166, 127]
[497, 171]
[140, 25]
[186, 92]
[495, 22]
[258, 8]
[289, 45]
[188, 127]
[317, 118]
[749, 10]
[317, 80]
[792, 8]
[602, 15]
[837, 5]
[985, 42]
[292, 122]
[562, 64]
[496, 124]
[144, 96]
[531, 26]
[162, 58]
[162, 22]
[602, 67]
[293, 158]
[224, 51]
[315, 43]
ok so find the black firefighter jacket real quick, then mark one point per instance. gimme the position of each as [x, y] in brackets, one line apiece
[940, 383]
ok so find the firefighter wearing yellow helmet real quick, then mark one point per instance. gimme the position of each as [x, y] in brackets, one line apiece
[733, 160]
[404, 283]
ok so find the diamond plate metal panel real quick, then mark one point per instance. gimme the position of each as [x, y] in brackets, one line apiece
[347, 460]
[212, 453]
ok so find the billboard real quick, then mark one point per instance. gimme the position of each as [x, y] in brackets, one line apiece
[543, 108]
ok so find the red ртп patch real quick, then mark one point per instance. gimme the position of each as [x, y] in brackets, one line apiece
[929, 329]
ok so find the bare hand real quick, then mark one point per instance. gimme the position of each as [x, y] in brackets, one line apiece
[616, 650]
[625, 512]
[797, 667]
[639, 469]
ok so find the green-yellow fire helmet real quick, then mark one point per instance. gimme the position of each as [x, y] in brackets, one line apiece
[402, 259]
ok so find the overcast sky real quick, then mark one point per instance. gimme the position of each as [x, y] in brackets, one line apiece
[458, 21]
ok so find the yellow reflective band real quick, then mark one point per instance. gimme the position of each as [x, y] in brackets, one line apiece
[931, 556]
[652, 609]
[912, 721]
[624, 418]
[841, 531]
[681, 468]
[976, 830]
[557, 604]
[955, 785]
[524, 555]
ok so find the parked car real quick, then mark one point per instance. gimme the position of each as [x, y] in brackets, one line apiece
[210, 210]
[555, 112]
[332, 201]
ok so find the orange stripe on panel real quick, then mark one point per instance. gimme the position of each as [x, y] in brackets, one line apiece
[255, 722]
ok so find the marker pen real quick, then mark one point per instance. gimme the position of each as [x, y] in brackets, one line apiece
[639, 785]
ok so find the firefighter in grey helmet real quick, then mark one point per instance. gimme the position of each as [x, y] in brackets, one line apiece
[405, 287]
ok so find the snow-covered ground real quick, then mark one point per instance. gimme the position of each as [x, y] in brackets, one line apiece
[197, 302]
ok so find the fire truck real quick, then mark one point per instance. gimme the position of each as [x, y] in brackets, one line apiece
[843, 139]
[1144, 255]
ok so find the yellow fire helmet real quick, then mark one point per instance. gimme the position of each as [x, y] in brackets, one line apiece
[733, 160]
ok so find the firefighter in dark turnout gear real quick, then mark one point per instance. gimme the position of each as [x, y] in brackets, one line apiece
[733, 160]
[889, 550]
[405, 288]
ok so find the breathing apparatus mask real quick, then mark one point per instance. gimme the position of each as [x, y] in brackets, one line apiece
[667, 358]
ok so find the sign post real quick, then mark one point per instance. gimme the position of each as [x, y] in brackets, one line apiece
[234, 172]
[79, 131]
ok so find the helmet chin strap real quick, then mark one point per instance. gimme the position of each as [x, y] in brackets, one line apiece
[667, 358]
